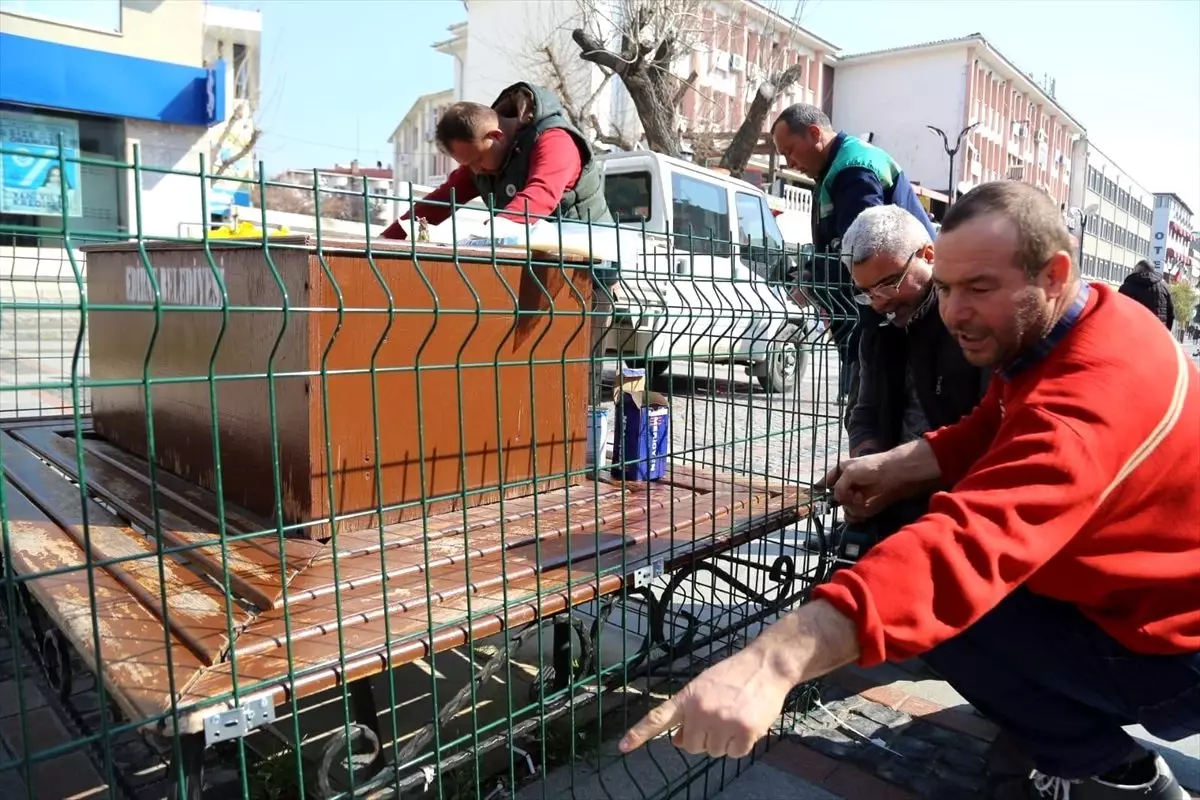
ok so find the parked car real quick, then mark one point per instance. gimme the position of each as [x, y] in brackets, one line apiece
[708, 284]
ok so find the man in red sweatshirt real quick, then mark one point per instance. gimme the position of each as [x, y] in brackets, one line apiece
[1056, 584]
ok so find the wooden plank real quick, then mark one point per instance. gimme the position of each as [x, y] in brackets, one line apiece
[402, 534]
[373, 645]
[362, 604]
[323, 577]
[319, 665]
[195, 610]
[254, 573]
[137, 660]
[201, 502]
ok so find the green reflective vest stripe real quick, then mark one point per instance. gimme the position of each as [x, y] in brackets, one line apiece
[856, 153]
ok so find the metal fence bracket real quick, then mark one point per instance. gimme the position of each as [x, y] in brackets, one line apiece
[237, 722]
[643, 576]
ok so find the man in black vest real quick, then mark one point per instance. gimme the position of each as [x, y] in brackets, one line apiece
[525, 159]
[913, 376]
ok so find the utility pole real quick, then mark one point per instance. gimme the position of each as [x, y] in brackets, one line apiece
[952, 152]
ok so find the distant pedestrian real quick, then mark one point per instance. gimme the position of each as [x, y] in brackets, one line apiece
[1146, 285]
[851, 175]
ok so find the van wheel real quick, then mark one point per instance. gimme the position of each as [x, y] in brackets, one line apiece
[786, 363]
[655, 368]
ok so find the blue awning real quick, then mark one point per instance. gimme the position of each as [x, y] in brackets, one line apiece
[34, 72]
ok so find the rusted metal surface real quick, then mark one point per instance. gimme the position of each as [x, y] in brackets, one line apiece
[516, 424]
[484, 572]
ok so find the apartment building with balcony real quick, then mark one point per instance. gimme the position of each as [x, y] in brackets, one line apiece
[415, 152]
[1117, 212]
[1171, 238]
[1019, 130]
[106, 78]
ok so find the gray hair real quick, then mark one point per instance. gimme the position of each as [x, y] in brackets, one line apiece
[801, 116]
[884, 230]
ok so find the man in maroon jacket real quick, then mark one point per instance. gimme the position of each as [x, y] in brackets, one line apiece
[1056, 585]
[525, 159]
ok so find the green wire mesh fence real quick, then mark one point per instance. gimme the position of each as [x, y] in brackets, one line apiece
[325, 515]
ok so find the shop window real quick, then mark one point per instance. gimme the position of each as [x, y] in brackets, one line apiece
[32, 194]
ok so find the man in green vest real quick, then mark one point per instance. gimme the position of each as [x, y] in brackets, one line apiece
[851, 175]
[526, 160]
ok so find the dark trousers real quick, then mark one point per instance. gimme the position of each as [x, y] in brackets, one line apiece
[1062, 687]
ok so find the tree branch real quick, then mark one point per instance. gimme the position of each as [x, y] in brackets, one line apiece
[684, 85]
[593, 50]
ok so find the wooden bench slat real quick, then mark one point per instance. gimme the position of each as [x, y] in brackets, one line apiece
[528, 598]
[362, 605]
[134, 654]
[363, 568]
[196, 609]
[366, 645]
[402, 534]
[254, 573]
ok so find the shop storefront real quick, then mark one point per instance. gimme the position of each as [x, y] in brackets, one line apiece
[86, 100]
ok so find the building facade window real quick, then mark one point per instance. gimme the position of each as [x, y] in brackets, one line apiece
[32, 198]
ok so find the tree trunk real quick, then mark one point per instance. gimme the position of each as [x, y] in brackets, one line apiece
[741, 147]
[651, 94]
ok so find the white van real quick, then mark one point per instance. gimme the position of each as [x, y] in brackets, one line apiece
[691, 295]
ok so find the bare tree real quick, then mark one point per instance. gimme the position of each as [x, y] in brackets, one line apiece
[745, 139]
[646, 38]
[221, 164]
[639, 42]
[581, 113]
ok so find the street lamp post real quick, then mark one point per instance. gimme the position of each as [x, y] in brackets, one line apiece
[952, 152]
[1081, 217]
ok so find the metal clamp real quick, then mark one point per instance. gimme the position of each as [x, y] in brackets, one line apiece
[644, 576]
[237, 722]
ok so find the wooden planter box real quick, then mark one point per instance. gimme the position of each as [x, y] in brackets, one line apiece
[475, 426]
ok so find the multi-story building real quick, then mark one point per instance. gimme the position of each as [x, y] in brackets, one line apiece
[1016, 128]
[417, 157]
[1171, 239]
[107, 77]
[1116, 212]
[456, 48]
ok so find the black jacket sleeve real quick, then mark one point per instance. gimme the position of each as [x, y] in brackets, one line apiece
[863, 422]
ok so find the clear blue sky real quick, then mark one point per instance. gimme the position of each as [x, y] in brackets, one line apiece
[340, 74]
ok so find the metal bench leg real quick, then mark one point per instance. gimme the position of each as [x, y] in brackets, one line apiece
[191, 764]
[362, 704]
[562, 652]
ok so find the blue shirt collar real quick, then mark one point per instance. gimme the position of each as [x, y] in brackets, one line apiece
[1043, 346]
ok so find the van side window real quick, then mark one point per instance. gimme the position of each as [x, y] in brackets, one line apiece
[628, 196]
[699, 210]
[761, 246]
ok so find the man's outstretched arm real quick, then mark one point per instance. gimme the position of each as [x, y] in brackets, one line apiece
[730, 706]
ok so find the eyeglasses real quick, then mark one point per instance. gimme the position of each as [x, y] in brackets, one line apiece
[888, 286]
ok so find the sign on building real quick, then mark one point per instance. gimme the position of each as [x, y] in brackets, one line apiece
[31, 172]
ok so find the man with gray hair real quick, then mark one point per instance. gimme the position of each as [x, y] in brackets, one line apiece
[851, 175]
[913, 376]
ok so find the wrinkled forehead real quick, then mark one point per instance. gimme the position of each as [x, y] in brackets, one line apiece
[986, 245]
